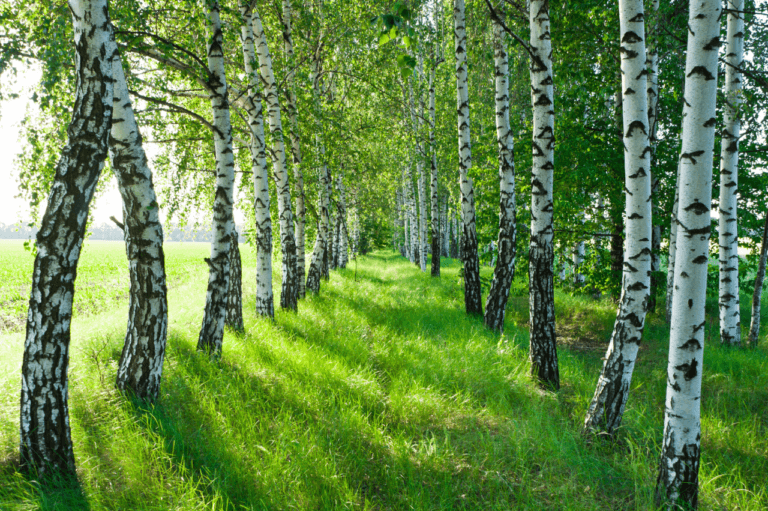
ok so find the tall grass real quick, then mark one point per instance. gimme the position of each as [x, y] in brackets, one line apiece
[380, 394]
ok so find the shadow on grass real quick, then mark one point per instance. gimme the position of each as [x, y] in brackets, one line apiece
[51, 492]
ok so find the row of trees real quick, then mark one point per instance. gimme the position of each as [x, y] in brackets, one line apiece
[366, 104]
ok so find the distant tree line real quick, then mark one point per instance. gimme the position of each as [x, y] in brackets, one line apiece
[107, 232]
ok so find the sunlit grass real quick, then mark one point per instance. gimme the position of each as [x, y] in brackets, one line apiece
[380, 394]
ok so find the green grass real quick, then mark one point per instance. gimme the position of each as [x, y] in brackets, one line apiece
[380, 394]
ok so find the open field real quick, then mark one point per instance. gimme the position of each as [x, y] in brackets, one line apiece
[379, 394]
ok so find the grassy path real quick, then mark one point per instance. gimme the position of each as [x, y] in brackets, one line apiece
[380, 394]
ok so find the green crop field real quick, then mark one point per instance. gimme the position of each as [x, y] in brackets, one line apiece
[102, 276]
[380, 393]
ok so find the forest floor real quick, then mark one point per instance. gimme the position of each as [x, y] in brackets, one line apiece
[380, 393]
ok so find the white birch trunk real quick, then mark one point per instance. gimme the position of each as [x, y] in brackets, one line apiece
[343, 224]
[504, 272]
[265, 304]
[754, 327]
[672, 254]
[435, 224]
[472, 292]
[298, 175]
[728, 239]
[212, 329]
[290, 288]
[607, 406]
[413, 222]
[141, 361]
[677, 484]
[543, 351]
[652, 65]
[46, 442]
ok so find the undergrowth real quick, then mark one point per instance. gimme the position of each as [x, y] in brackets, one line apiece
[380, 394]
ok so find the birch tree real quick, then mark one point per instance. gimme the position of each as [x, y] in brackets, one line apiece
[728, 239]
[470, 258]
[141, 362]
[543, 350]
[234, 315]
[435, 223]
[46, 441]
[754, 327]
[290, 286]
[612, 392]
[212, 330]
[504, 272]
[298, 175]
[677, 484]
[264, 297]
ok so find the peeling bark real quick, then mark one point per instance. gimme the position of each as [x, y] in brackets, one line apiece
[265, 305]
[234, 317]
[290, 287]
[677, 484]
[504, 273]
[612, 391]
[470, 257]
[141, 362]
[728, 239]
[543, 351]
[212, 329]
[46, 442]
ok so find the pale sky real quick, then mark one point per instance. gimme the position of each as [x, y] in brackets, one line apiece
[12, 112]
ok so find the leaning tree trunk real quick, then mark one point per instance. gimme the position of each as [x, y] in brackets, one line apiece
[504, 273]
[290, 288]
[212, 330]
[46, 442]
[435, 224]
[543, 351]
[754, 327]
[677, 485]
[141, 361]
[612, 391]
[730, 318]
[298, 175]
[265, 305]
[234, 317]
[472, 291]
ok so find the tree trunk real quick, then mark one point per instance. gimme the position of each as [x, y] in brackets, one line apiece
[46, 442]
[298, 175]
[413, 220]
[234, 318]
[652, 66]
[543, 351]
[677, 485]
[265, 305]
[212, 330]
[435, 224]
[612, 392]
[290, 288]
[343, 227]
[472, 292]
[730, 315]
[504, 273]
[672, 255]
[141, 361]
[754, 327]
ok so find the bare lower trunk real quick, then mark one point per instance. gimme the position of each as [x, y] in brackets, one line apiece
[672, 254]
[754, 327]
[677, 484]
[343, 229]
[141, 362]
[504, 273]
[46, 442]
[435, 224]
[470, 258]
[212, 329]
[543, 349]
